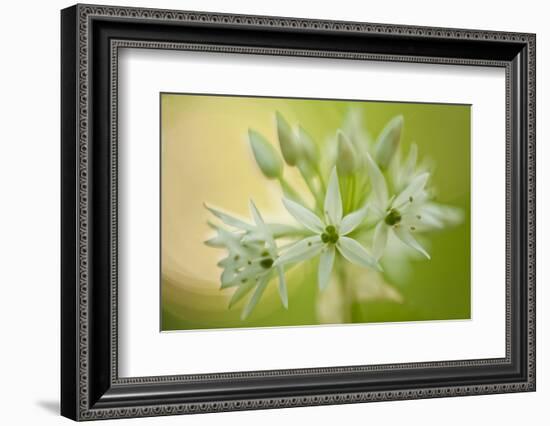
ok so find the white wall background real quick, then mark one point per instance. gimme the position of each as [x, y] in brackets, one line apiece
[29, 212]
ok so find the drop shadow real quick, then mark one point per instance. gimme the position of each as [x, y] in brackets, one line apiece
[51, 406]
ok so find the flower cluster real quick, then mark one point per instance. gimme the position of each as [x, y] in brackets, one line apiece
[363, 195]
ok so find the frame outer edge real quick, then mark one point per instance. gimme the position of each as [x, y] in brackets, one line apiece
[531, 200]
[83, 12]
[68, 182]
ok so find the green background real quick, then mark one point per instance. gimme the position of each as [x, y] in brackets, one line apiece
[205, 158]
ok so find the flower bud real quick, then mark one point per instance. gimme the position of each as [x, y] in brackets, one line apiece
[266, 157]
[346, 161]
[388, 141]
[308, 148]
[287, 140]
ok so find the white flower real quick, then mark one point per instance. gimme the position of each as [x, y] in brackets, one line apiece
[404, 214]
[330, 234]
[403, 171]
[436, 215]
[251, 256]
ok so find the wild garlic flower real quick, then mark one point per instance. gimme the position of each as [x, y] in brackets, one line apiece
[372, 196]
[330, 233]
[402, 172]
[251, 256]
[403, 214]
[436, 215]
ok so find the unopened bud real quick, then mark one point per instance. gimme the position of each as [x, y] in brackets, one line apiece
[266, 156]
[388, 141]
[308, 148]
[346, 160]
[287, 140]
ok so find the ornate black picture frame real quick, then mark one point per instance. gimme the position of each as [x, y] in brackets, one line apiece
[91, 37]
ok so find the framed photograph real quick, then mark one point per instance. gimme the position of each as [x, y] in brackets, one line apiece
[263, 212]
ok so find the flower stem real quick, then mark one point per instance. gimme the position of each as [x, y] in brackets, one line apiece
[346, 291]
[321, 180]
[316, 194]
[289, 191]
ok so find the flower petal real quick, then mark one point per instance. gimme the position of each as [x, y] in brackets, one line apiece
[282, 230]
[228, 219]
[326, 263]
[409, 165]
[231, 278]
[261, 225]
[333, 200]
[237, 260]
[410, 192]
[421, 219]
[276, 230]
[378, 182]
[302, 250]
[227, 278]
[376, 213]
[256, 296]
[380, 239]
[353, 220]
[241, 291]
[356, 253]
[404, 235]
[427, 221]
[305, 216]
[256, 214]
[446, 215]
[283, 294]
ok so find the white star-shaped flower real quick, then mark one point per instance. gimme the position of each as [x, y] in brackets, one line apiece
[330, 234]
[251, 256]
[402, 214]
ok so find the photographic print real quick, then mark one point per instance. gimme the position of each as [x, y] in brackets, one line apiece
[293, 212]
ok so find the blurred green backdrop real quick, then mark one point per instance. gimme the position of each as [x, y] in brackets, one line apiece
[206, 158]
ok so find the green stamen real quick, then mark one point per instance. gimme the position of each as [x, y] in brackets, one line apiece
[393, 217]
[266, 263]
[330, 235]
